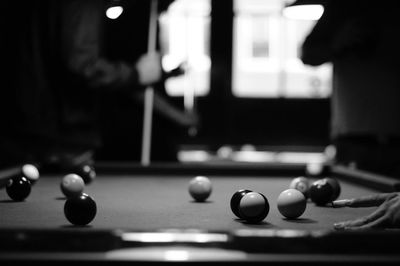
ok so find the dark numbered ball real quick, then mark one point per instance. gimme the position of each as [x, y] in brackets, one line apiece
[200, 188]
[87, 172]
[80, 210]
[321, 192]
[235, 200]
[72, 185]
[335, 186]
[18, 188]
[253, 207]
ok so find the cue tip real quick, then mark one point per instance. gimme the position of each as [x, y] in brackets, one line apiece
[341, 203]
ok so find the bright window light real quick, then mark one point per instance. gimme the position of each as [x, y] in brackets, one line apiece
[114, 12]
[304, 12]
[185, 35]
[267, 53]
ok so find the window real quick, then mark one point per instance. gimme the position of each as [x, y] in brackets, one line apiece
[266, 48]
[185, 38]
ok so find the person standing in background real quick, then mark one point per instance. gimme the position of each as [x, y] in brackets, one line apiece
[58, 73]
[127, 40]
[360, 39]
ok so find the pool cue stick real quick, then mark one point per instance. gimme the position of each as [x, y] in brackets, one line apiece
[16, 171]
[6, 174]
[189, 90]
[188, 102]
[149, 92]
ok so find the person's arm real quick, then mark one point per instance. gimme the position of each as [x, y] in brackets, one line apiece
[316, 48]
[166, 109]
[387, 215]
[345, 28]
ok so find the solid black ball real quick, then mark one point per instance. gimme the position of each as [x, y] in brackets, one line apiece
[18, 188]
[87, 172]
[80, 210]
[235, 200]
[321, 192]
[335, 186]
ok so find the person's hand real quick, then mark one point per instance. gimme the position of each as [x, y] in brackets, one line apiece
[149, 69]
[179, 70]
[386, 216]
[189, 119]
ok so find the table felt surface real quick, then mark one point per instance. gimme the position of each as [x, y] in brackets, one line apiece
[158, 202]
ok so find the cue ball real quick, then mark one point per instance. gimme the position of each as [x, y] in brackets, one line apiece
[72, 185]
[80, 210]
[291, 203]
[235, 200]
[253, 207]
[302, 184]
[200, 188]
[18, 188]
[314, 169]
[336, 187]
[87, 172]
[321, 192]
[31, 172]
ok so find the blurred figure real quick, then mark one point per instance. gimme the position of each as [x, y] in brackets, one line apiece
[126, 39]
[360, 38]
[57, 77]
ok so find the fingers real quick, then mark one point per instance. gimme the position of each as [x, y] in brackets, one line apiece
[381, 222]
[375, 216]
[384, 216]
[367, 201]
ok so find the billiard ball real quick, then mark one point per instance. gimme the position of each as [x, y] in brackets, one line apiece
[291, 203]
[80, 210]
[18, 188]
[72, 185]
[235, 199]
[86, 171]
[253, 207]
[330, 153]
[302, 184]
[200, 188]
[225, 152]
[336, 187]
[321, 192]
[31, 172]
[314, 169]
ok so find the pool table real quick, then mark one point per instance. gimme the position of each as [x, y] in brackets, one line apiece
[145, 215]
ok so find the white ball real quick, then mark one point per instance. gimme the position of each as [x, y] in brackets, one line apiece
[30, 172]
[200, 188]
[314, 169]
[291, 203]
[225, 152]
